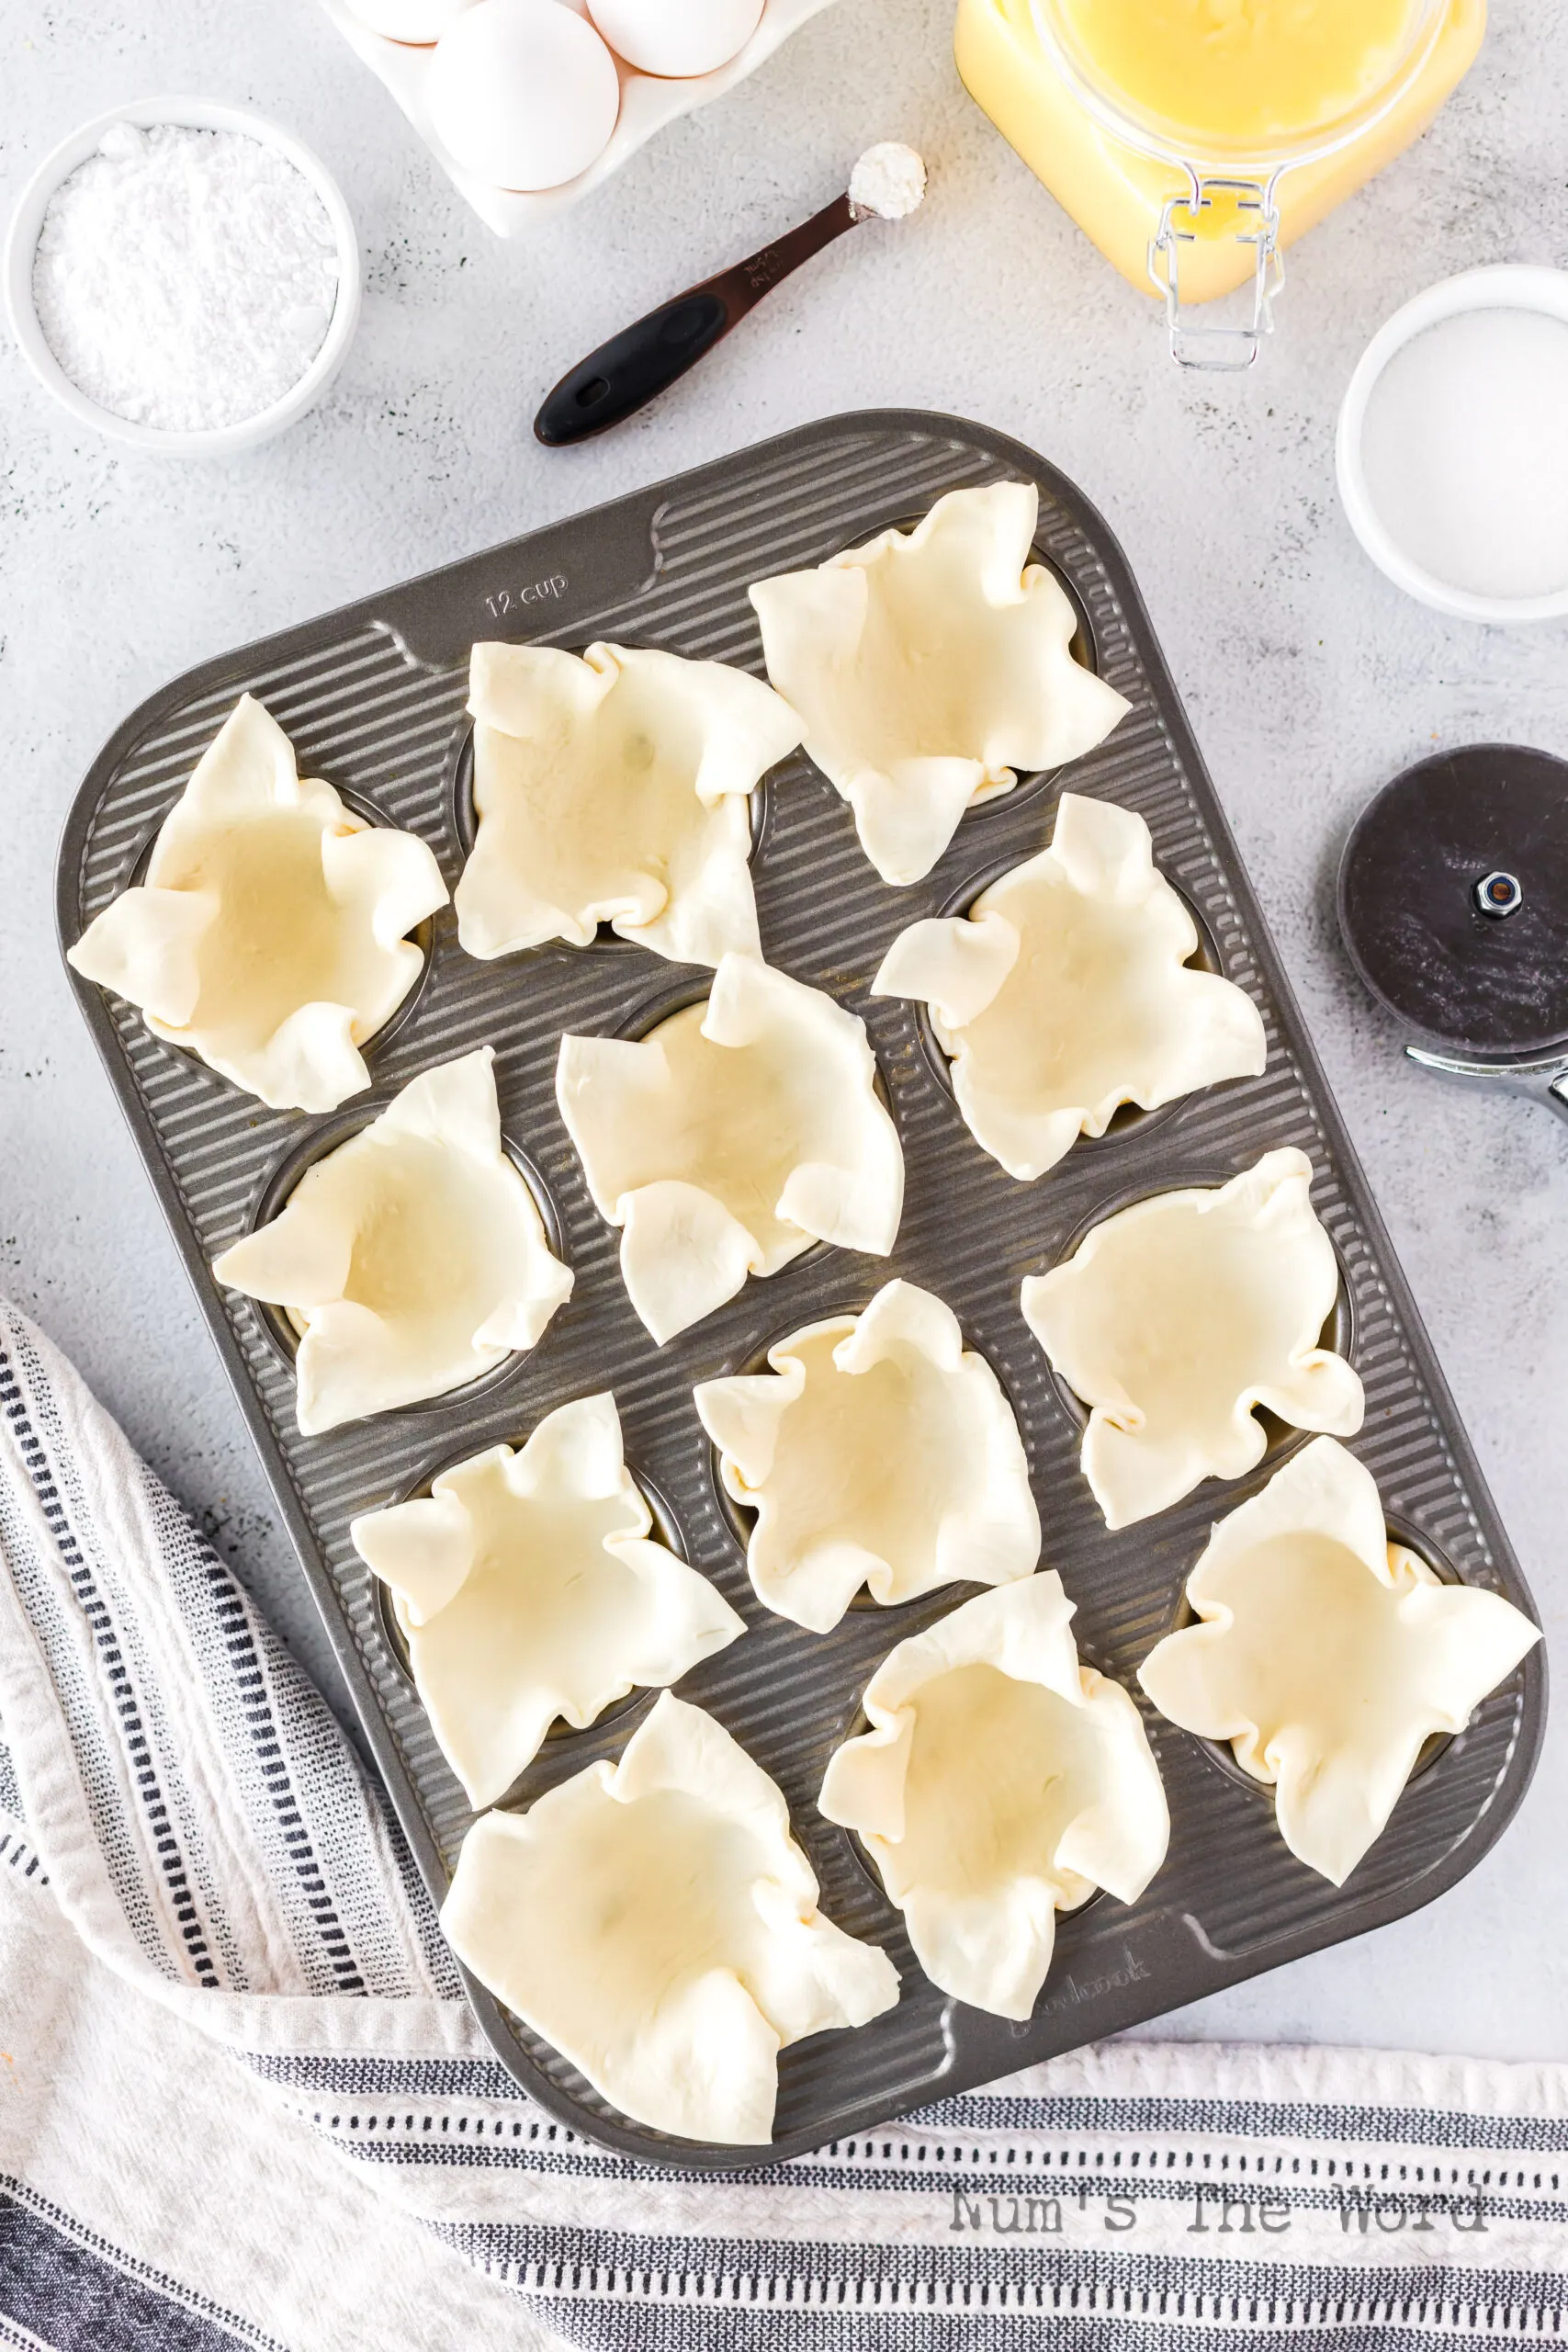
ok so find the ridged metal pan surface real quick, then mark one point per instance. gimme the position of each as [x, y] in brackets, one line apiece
[373, 699]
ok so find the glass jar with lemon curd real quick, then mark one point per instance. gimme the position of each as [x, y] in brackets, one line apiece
[1193, 140]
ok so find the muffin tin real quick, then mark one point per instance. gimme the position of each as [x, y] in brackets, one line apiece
[373, 697]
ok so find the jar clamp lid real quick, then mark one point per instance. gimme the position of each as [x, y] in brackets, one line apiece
[1219, 179]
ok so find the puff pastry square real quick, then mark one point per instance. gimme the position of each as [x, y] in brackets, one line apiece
[528, 1589]
[612, 788]
[268, 937]
[1065, 991]
[411, 1259]
[928, 667]
[730, 1139]
[1174, 1318]
[1000, 1783]
[1328, 1655]
[878, 1451]
[656, 1921]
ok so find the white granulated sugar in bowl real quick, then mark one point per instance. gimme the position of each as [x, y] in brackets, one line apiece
[184, 279]
[1464, 452]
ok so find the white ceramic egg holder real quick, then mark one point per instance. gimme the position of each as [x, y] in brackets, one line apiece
[648, 103]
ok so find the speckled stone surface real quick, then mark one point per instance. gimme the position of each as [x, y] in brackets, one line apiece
[1310, 680]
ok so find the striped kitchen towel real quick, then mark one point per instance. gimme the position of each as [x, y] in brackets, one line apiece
[236, 2065]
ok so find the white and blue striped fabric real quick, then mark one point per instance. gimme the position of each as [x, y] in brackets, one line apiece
[237, 2067]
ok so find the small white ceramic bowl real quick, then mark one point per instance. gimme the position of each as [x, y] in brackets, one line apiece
[21, 244]
[1511, 285]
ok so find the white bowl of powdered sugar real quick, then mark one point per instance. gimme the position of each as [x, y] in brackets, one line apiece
[183, 277]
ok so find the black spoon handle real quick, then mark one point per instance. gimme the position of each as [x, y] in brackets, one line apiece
[626, 372]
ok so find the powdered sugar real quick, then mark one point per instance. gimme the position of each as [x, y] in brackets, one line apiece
[184, 279]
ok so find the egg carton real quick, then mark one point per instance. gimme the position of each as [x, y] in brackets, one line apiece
[648, 103]
[373, 697]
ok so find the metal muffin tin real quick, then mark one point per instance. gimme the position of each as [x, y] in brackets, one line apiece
[373, 699]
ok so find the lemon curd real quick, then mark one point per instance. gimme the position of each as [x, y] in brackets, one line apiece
[1246, 73]
[1120, 105]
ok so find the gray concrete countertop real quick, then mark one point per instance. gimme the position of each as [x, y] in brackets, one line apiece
[1309, 679]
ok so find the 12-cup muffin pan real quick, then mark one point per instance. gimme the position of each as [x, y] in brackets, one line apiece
[373, 699]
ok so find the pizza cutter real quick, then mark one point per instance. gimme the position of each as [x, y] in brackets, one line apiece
[1453, 903]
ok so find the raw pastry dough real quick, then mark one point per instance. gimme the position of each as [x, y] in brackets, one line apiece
[877, 1451]
[413, 1257]
[731, 1139]
[1066, 992]
[268, 937]
[1328, 1655]
[927, 667]
[656, 1922]
[1000, 1782]
[527, 1588]
[612, 788]
[1174, 1318]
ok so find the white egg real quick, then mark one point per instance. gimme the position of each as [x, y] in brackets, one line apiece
[676, 38]
[418, 22]
[523, 93]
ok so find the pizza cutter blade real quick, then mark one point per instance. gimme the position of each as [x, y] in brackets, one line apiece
[1453, 904]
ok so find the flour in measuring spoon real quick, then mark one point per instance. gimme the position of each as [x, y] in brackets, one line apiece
[184, 279]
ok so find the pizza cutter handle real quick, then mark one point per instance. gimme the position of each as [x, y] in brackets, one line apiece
[1545, 1080]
